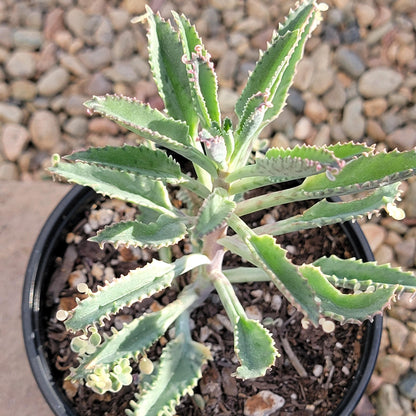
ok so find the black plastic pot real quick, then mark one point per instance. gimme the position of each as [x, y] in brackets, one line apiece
[50, 244]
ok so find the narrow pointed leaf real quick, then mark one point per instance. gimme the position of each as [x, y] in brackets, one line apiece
[272, 259]
[349, 150]
[213, 213]
[365, 172]
[354, 274]
[139, 160]
[248, 128]
[276, 67]
[165, 231]
[138, 190]
[133, 113]
[280, 165]
[134, 338]
[151, 124]
[369, 171]
[203, 82]
[268, 68]
[305, 19]
[326, 213]
[169, 72]
[355, 308]
[178, 373]
[274, 74]
[137, 285]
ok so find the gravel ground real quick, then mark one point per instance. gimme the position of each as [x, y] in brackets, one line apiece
[357, 81]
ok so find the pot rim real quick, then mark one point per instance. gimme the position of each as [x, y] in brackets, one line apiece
[54, 227]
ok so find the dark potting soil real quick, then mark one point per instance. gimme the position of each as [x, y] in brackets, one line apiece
[329, 360]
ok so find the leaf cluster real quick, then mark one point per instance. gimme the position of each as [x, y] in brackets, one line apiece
[214, 200]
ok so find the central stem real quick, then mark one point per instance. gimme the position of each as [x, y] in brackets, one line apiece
[214, 251]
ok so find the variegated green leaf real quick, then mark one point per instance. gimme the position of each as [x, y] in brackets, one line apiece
[137, 285]
[134, 338]
[272, 62]
[326, 213]
[213, 213]
[369, 171]
[349, 150]
[354, 274]
[253, 343]
[177, 374]
[169, 72]
[281, 165]
[365, 172]
[254, 347]
[355, 308]
[273, 74]
[305, 19]
[139, 160]
[203, 79]
[138, 190]
[272, 259]
[131, 112]
[165, 231]
[248, 129]
[151, 124]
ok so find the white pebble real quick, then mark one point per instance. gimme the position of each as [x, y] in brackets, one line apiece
[318, 370]
[276, 302]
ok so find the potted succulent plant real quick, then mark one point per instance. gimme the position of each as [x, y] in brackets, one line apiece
[214, 200]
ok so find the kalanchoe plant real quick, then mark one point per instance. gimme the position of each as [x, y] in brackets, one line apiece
[224, 170]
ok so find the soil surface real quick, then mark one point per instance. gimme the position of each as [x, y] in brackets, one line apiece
[328, 360]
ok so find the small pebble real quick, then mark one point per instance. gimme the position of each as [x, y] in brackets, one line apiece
[379, 82]
[76, 277]
[263, 403]
[317, 370]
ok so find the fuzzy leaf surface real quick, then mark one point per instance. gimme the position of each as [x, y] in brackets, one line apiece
[204, 85]
[254, 348]
[169, 72]
[137, 285]
[215, 210]
[165, 231]
[248, 128]
[349, 150]
[354, 308]
[178, 373]
[272, 77]
[326, 213]
[361, 174]
[253, 343]
[140, 116]
[139, 160]
[138, 190]
[280, 165]
[272, 259]
[151, 124]
[354, 274]
[365, 172]
[305, 18]
[273, 60]
[134, 338]
[276, 67]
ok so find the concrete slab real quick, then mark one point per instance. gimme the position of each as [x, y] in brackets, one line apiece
[24, 207]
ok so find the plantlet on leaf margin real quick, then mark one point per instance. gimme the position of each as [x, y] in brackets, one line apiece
[191, 126]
